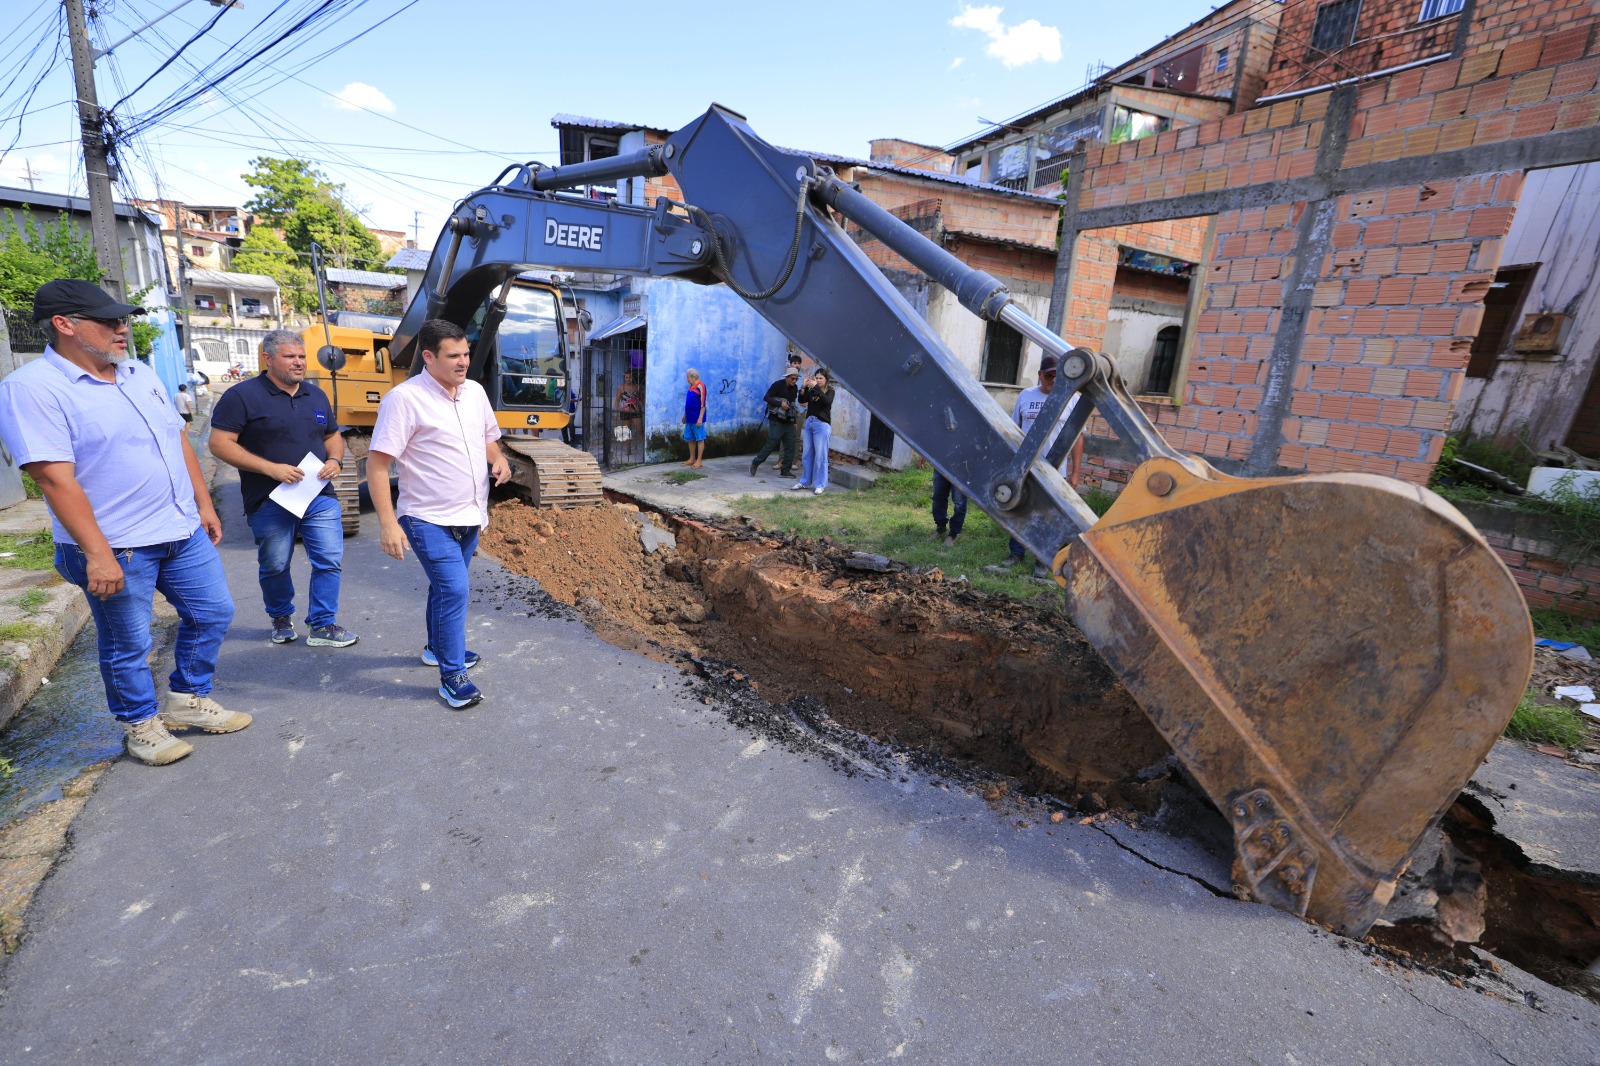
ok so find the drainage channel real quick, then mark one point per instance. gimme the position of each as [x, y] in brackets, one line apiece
[877, 666]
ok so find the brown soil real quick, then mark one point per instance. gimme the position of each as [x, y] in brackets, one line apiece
[899, 656]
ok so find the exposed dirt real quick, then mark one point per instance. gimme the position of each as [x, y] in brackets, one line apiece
[900, 656]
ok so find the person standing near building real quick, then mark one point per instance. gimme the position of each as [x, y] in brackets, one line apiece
[817, 395]
[694, 418]
[949, 510]
[1026, 412]
[797, 426]
[185, 404]
[265, 426]
[441, 428]
[131, 512]
[780, 401]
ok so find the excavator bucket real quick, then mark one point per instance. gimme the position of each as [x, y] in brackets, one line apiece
[1331, 656]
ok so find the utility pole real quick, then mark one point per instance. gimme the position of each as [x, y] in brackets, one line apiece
[28, 173]
[96, 164]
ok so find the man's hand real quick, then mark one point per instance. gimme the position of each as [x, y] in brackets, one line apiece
[211, 523]
[329, 471]
[286, 473]
[500, 470]
[105, 575]
[392, 539]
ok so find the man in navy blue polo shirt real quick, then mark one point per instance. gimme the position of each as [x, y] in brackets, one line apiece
[265, 426]
[131, 510]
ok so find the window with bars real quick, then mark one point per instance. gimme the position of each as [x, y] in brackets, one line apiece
[1002, 354]
[1335, 26]
[1435, 9]
[1222, 60]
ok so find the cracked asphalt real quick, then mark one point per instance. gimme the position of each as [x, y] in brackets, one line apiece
[595, 866]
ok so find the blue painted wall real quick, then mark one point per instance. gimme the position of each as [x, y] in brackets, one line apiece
[710, 329]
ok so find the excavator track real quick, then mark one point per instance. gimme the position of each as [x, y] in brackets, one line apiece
[552, 474]
[347, 486]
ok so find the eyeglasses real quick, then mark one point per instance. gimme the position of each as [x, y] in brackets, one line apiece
[108, 323]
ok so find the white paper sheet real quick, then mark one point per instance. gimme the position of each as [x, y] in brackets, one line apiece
[1576, 693]
[297, 497]
[1591, 709]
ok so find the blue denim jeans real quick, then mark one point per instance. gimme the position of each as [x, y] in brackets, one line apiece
[322, 532]
[815, 460]
[946, 495]
[189, 574]
[445, 552]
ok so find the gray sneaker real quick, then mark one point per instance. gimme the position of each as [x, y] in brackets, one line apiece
[283, 630]
[331, 636]
[150, 743]
[184, 710]
[1010, 561]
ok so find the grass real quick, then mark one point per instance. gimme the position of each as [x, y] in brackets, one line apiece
[31, 487]
[1558, 626]
[6, 770]
[28, 551]
[894, 518]
[23, 631]
[32, 600]
[1539, 721]
[683, 477]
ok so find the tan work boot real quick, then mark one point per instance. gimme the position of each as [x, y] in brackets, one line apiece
[184, 710]
[150, 743]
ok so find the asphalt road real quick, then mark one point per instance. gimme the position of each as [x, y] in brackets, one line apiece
[594, 866]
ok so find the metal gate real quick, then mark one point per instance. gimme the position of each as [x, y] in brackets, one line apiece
[613, 400]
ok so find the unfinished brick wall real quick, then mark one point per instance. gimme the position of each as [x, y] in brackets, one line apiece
[1396, 273]
[911, 154]
[1143, 285]
[1244, 26]
[1387, 34]
[1547, 577]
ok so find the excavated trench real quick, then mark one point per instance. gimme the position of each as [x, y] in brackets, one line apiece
[866, 664]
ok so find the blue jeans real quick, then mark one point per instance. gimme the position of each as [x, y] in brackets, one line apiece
[445, 552]
[322, 532]
[814, 462]
[945, 495]
[189, 574]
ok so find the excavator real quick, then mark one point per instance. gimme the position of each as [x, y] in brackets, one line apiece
[1331, 656]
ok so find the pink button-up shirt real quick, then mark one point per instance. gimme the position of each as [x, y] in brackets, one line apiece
[442, 446]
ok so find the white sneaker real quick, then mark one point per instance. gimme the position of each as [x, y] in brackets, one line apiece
[817, 491]
[150, 743]
[797, 485]
[184, 710]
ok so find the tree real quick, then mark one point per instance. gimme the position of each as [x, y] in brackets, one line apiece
[263, 252]
[33, 254]
[300, 199]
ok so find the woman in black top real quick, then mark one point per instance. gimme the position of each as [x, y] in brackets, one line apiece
[817, 394]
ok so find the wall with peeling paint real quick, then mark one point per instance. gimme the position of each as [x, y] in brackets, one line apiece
[1536, 397]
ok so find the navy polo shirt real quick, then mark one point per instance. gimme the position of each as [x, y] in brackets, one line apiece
[276, 426]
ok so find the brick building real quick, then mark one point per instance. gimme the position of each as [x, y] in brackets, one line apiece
[1358, 214]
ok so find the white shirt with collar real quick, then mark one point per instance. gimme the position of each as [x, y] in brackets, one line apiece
[442, 445]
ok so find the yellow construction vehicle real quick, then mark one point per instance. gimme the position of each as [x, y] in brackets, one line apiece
[520, 354]
[1332, 656]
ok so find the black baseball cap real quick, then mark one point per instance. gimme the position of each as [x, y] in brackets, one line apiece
[1048, 363]
[73, 296]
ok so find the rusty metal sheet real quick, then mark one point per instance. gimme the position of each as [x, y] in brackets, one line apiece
[1331, 656]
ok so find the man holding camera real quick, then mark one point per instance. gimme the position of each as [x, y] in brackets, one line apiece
[781, 413]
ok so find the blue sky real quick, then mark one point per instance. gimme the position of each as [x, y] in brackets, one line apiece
[449, 91]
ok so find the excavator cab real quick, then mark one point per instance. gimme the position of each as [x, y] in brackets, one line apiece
[520, 354]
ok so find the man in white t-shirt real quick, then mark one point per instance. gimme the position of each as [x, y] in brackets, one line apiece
[443, 430]
[1029, 403]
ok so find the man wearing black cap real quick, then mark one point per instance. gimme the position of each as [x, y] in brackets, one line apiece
[782, 412]
[131, 511]
[1029, 404]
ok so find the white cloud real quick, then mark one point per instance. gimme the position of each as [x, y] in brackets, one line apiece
[1015, 46]
[359, 95]
[957, 61]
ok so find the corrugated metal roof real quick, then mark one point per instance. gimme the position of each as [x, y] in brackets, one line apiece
[409, 259]
[227, 279]
[372, 279]
[600, 123]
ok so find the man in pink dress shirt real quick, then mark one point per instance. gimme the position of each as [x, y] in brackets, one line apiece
[441, 428]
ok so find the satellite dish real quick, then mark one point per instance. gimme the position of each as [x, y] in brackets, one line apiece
[332, 357]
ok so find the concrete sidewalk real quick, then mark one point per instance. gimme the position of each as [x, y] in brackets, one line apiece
[595, 866]
[724, 481]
